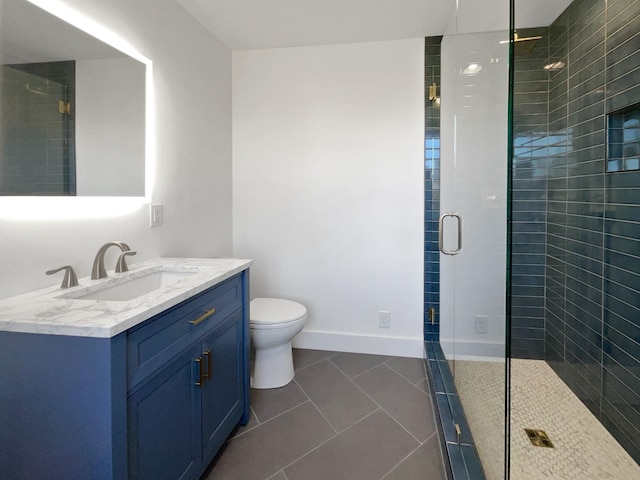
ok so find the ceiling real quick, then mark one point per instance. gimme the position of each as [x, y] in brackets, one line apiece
[257, 24]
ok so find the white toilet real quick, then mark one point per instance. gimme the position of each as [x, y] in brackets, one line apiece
[274, 322]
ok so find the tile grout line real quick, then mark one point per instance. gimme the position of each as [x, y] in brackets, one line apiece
[408, 379]
[411, 453]
[256, 415]
[328, 440]
[274, 475]
[281, 413]
[267, 421]
[380, 406]
[282, 474]
[395, 420]
[400, 375]
[347, 377]
[302, 403]
[316, 407]
[253, 413]
[366, 371]
[434, 415]
[389, 367]
[315, 363]
[384, 362]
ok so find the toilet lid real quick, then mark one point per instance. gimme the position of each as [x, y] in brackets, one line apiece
[275, 310]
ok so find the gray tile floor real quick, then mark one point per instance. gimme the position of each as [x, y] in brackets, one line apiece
[345, 416]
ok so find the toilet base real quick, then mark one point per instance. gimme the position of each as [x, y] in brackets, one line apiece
[273, 367]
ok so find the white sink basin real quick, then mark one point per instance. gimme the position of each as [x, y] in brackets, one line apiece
[135, 287]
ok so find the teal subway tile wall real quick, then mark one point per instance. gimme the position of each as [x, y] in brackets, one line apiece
[591, 322]
[432, 192]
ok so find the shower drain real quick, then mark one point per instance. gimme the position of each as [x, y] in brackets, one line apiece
[538, 438]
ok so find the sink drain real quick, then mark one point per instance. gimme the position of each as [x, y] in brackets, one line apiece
[538, 438]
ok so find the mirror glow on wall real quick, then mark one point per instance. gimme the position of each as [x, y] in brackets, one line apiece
[73, 109]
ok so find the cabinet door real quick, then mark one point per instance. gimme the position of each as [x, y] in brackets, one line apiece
[164, 422]
[222, 395]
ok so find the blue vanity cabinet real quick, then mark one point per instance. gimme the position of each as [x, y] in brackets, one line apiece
[223, 391]
[163, 423]
[180, 414]
[62, 407]
[128, 407]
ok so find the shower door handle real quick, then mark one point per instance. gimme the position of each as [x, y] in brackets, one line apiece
[441, 233]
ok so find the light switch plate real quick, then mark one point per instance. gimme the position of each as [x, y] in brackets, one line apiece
[155, 215]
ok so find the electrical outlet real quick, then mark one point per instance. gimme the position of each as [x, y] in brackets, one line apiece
[384, 319]
[482, 324]
[155, 214]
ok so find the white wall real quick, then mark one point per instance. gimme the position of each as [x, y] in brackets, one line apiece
[192, 72]
[473, 182]
[110, 127]
[328, 187]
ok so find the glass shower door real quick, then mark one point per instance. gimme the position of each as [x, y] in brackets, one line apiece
[473, 259]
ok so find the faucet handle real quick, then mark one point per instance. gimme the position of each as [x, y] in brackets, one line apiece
[121, 265]
[70, 278]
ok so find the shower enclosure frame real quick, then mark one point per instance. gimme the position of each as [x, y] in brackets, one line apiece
[599, 343]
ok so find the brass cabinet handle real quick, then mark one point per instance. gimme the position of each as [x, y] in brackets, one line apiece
[200, 381]
[209, 364]
[203, 317]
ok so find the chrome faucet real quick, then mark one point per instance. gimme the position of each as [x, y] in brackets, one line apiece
[98, 270]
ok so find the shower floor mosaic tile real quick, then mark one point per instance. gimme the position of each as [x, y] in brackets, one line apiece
[484, 380]
[584, 449]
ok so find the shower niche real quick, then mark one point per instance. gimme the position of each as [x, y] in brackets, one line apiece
[623, 139]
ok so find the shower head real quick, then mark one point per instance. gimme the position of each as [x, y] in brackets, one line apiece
[523, 46]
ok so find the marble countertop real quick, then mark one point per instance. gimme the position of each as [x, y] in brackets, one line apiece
[52, 311]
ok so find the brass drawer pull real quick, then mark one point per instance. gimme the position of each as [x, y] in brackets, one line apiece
[200, 381]
[209, 364]
[203, 317]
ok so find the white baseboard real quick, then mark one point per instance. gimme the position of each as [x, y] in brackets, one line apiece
[356, 343]
[475, 351]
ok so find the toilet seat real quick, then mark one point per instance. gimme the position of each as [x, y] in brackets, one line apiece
[274, 326]
[274, 312]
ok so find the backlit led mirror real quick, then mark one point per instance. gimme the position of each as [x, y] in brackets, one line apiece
[72, 109]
